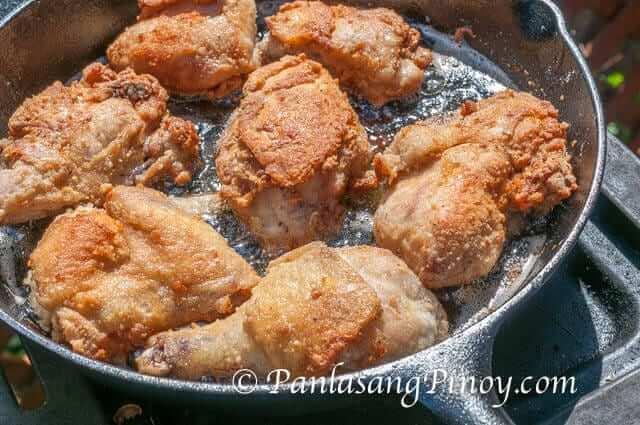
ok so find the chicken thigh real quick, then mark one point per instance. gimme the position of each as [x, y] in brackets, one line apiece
[194, 47]
[456, 184]
[289, 153]
[66, 143]
[316, 307]
[107, 279]
[373, 52]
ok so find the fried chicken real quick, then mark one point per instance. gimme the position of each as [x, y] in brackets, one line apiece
[316, 307]
[373, 52]
[194, 47]
[445, 221]
[291, 150]
[456, 184]
[107, 279]
[67, 142]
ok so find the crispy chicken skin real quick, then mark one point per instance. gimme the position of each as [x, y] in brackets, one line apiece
[411, 318]
[457, 182]
[445, 221]
[316, 307]
[291, 150]
[194, 47]
[373, 52]
[109, 278]
[65, 143]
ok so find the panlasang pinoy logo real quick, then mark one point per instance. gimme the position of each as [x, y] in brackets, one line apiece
[245, 381]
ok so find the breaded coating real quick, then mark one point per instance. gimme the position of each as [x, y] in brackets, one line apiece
[445, 222]
[411, 318]
[109, 278]
[193, 47]
[66, 143]
[316, 307]
[309, 308]
[456, 182]
[290, 152]
[373, 52]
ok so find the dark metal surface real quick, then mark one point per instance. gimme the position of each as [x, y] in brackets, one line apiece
[527, 39]
[586, 324]
[69, 397]
[616, 404]
[621, 172]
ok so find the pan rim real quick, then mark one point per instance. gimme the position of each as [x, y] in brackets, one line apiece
[264, 390]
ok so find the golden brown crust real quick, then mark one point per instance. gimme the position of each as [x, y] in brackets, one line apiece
[371, 51]
[318, 26]
[143, 91]
[240, 173]
[412, 318]
[316, 307]
[111, 278]
[291, 150]
[68, 141]
[492, 160]
[49, 111]
[174, 145]
[289, 129]
[193, 47]
[90, 242]
[525, 126]
[292, 120]
[456, 234]
[312, 306]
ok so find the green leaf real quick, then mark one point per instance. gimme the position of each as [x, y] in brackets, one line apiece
[615, 79]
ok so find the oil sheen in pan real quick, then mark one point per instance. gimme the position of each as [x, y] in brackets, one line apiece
[448, 82]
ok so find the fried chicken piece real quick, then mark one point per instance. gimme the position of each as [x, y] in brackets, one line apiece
[67, 142]
[316, 307]
[291, 150]
[411, 319]
[445, 221]
[194, 47]
[456, 184]
[373, 52]
[107, 279]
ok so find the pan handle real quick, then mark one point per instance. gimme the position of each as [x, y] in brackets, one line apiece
[69, 397]
[446, 371]
[622, 179]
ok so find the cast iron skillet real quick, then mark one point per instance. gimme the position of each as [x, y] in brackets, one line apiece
[47, 40]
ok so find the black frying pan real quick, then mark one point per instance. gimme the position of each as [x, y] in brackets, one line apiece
[526, 41]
